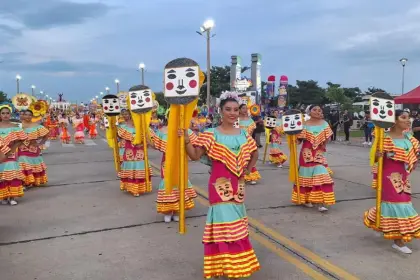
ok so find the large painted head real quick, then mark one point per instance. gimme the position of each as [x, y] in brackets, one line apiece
[292, 122]
[182, 81]
[270, 122]
[382, 110]
[140, 98]
[122, 96]
[111, 105]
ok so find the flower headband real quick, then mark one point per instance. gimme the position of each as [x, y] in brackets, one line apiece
[229, 95]
[2, 106]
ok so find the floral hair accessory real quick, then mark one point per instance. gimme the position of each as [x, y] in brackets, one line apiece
[229, 95]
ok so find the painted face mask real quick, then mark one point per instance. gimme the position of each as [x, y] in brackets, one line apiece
[236, 124]
[382, 110]
[292, 123]
[224, 188]
[270, 122]
[111, 105]
[141, 100]
[122, 97]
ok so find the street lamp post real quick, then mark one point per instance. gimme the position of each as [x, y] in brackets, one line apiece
[33, 89]
[107, 90]
[41, 93]
[403, 62]
[206, 28]
[117, 82]
[18, 77]
[141, 69]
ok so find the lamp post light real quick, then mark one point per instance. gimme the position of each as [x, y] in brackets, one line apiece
[117, 82]
[206, 28]
[403, 62]
[41, 93]
[107, 90]
[33, 89]
[142, 66]
[18, 77]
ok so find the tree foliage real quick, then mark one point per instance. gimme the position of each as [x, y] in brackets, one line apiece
[3, 97]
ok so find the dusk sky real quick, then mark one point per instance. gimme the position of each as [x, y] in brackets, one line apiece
[79, 47]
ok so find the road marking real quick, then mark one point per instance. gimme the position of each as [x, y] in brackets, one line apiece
[70, 145]
[105, 140]
[89, 142]
[47, 144]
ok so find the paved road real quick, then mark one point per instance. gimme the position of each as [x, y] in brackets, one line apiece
[83, 227]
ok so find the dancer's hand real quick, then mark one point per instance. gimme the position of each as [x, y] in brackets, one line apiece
[379, 154]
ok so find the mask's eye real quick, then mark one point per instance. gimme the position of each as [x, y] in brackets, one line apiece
[190, 74]
[171, 76]
[286, 119]
[297, 117]
[389, 105]
[375, 102]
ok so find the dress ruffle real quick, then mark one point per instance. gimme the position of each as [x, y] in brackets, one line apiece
[398, 221]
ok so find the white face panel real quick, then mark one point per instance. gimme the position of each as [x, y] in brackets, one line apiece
[382, 110]
[123, 100]
[236, 124]
[270, 122]
[292, 122]
[183, 81]
[141, 100]
[106, 123]
[111, 106]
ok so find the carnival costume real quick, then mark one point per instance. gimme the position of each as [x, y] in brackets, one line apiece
[316, 184]
[249, 125]
[399, 219]
[276, 155]
[11, 175]
[79, 135]
[169, 203]
[227, 249]
[133, 172]
[30, 160]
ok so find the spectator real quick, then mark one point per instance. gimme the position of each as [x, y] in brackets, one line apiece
[416, 126]
[259, 122]
[368, 127]
[334, 122]
[347, 123]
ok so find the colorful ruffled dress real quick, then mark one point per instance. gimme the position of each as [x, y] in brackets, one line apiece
[399, 219]
[53, 130]
[93, 132]
[65, 135]
[79, 135]
[169, 203]
[30, 160]
[249, 126]
[276, 155]
[11, 176]
[133, 173]
[227, 249]
[316, 184]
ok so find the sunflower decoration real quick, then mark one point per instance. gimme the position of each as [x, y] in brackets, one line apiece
[22, 101]
[255, 110]
[39, 109]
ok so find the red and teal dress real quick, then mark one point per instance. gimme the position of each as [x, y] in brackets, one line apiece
[11, 175]
[133, 172]
[169, 203]
[30, 159]
[316, 184]
[249, 126]
[399, 219]
[276, 155]
[227, 249]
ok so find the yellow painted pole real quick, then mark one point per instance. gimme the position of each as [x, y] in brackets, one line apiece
[182, 179]
[115, 148]
[146, 156]
[267, 142]
[296, 165]
[379, 180]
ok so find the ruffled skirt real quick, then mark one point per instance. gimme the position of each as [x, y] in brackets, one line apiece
[34, 171]
[169, 203]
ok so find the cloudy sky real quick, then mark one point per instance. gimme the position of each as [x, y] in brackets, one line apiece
[80, 46]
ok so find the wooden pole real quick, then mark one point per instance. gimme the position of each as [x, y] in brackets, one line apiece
[115, 149]
[294, 154]
[146, 156]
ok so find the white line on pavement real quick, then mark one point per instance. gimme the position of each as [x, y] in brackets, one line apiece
[89, 142]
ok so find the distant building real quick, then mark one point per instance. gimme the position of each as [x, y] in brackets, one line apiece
[61, 104]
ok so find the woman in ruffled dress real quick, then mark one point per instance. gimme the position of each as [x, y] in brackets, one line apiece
[65, 135]
[133, 170]
[227, 249]
[93, 131]
[316, 184]
[78, 124]
[11, 175]
[247, 124]
[399, 220]
[30, 160]
[276, 155]
[168, 204]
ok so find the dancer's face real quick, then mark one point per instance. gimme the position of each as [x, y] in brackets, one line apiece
[5, 114]
[230, 112]
[316, 112]
[403, 121]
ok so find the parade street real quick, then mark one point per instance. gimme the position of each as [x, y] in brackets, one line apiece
[81, 226]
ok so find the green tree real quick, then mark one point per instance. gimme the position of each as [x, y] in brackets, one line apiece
[3, 97]
[372, 90]
[336, 94]
[220, 81]
[161, 99]
[306, 92]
